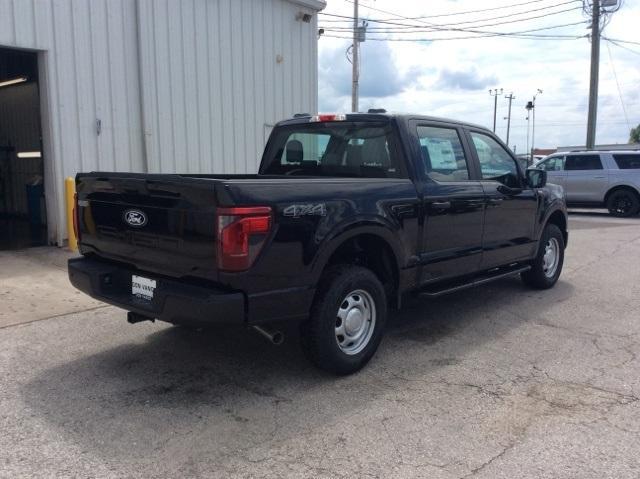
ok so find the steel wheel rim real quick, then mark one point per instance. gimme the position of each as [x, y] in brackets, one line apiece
[355, 322]
[551, 257]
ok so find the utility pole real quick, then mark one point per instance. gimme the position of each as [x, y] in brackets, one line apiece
[595, 67]
[494, 93]
[355, 73]
[510, 97]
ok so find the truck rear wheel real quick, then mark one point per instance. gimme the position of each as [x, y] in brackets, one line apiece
[347, 320]
[547, 265]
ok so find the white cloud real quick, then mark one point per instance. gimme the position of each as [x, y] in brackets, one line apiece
[451, 78]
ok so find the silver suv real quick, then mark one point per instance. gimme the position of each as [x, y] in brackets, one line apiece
[597, 178]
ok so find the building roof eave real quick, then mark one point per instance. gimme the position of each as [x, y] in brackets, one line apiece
[313, 4]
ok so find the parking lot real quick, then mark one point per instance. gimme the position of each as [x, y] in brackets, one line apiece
[495, 382]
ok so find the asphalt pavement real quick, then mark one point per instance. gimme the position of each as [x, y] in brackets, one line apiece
[495, 382]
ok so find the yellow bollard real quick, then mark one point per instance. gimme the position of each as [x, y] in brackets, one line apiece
[70, 193]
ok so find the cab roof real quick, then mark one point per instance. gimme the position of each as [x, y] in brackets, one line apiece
[303, 118]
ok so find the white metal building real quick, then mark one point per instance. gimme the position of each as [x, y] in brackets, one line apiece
[149, 85]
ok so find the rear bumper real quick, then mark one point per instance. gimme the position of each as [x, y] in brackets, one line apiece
[174, 301]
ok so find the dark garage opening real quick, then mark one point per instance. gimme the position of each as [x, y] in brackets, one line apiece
[23, 216]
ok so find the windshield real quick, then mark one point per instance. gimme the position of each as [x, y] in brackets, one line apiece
[351, 149]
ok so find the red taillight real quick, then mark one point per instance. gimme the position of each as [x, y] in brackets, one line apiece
[241, 233]
[76, 211]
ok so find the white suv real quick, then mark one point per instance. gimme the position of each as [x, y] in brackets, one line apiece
[597, 178]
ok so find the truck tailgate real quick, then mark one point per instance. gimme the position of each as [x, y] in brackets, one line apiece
[160, 223]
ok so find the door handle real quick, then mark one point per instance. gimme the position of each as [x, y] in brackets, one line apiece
[507, 190]
[599, 177]
[495, 201]
[441, 205]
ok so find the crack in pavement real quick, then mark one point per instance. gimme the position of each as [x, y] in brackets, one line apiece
[59, 315]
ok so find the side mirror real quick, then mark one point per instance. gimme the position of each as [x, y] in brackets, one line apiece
[536, 178]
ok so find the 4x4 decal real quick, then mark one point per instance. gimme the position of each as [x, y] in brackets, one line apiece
[295, 211]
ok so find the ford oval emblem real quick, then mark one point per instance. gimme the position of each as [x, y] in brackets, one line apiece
[135, 218]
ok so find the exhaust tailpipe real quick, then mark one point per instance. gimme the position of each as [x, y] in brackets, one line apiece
[274, 336]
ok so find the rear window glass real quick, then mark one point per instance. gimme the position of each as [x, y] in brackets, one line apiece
[583, 162]
[627, 161]
[351, 149]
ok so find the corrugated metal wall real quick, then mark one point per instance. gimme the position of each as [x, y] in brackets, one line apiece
[88, 67]
[205, 81]
[216, 75]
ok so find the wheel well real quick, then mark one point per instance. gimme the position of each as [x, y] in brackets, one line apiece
[558, 219]
[374, 253]
[618, 188]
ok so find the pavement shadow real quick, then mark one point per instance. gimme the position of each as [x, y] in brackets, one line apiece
[173, 381]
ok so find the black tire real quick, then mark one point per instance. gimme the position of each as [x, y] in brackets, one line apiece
[537, 277]
[318, 334]
[623, 203]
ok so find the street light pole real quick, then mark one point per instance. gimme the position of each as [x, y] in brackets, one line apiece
[529, 107]
[533, 130]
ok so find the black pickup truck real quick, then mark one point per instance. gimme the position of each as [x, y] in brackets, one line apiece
[347, 214]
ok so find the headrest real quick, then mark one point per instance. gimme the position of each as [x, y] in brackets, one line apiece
[295, 152]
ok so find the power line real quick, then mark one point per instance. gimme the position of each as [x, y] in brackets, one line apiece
[621, 46]
[467, 21]
[621, 41]
[550, 27]
[423, 40]
[522, 35]
[442, 25]
[453, 13]
[435, 27]
[613, 68]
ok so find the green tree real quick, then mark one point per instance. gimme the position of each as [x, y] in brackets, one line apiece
[634, 135]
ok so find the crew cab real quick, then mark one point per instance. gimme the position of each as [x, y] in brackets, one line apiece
[346, 216]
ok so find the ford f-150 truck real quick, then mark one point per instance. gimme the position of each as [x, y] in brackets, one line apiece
[347, 214]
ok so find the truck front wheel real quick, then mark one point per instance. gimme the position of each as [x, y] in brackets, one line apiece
[547, 265]
[347, 320]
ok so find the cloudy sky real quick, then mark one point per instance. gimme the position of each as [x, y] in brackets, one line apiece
[436, 75]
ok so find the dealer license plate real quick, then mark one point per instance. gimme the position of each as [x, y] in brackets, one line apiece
[142, 287]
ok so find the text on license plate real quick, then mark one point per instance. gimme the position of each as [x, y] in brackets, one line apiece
[142, 287]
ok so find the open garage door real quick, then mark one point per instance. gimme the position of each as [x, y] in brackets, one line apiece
[22, 203]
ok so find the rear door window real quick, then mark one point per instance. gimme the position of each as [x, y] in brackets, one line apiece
[349, 149]
[442, 154]
[582, 162]
[626, 161]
